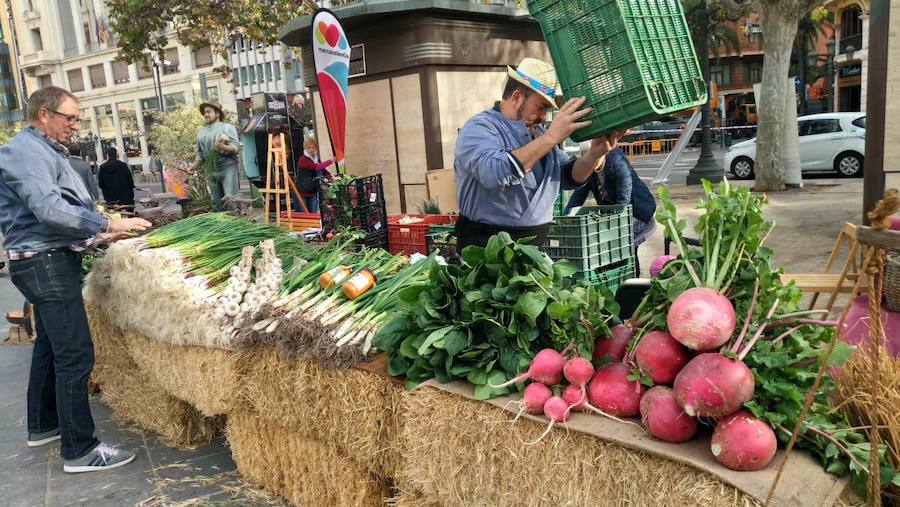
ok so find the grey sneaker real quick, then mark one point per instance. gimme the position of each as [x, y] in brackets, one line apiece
[44, 438]
[102, 457]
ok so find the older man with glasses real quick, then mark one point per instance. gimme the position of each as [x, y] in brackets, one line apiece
[47, 218]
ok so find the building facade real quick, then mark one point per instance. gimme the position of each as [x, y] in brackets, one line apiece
[257, 68]
[68, 43]
[851, 59]
[11, 103]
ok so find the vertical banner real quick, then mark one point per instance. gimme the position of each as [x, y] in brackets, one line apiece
[332, 60]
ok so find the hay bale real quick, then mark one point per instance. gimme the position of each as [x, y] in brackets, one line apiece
[462, 452]
[205, 377]
[303, 470]
[409, 499]
[355, 410]
[856, 398]
[136, 398]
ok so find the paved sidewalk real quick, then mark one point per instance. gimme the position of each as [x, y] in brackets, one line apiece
[159, 476]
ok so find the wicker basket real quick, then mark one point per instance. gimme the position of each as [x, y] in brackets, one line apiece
[892, 280]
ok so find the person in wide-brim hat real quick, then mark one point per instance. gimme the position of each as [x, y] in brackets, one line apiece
[215, 104]
[509, 166]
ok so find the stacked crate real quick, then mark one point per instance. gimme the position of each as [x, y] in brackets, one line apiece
[359, 205]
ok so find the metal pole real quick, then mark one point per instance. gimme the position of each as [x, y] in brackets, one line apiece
[157, 90]
[876, 93]
[706, 167]
[830, 68]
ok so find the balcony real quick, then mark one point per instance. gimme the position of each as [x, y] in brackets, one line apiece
[856, 41]
[31, 14]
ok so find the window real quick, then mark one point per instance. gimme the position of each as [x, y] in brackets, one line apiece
[268, 68]
[851, 29]
[76, 80]
[149, 106]
[212, 92]
[98, 76]
[277, 69]
[203, 57]
[753, 72]
[816, 127]
[172, 58]
[244, 80]
[173, 100]
[259, 73]
[721, 74]
[252, 73]
[358, 60]
[860, 122]
[129, 126]
[105, 125]
[120, 72]
[143, 73]
[88, 35]
[45, 81]
[36, 42]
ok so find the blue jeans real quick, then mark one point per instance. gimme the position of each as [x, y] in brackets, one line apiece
[222, 182]
[63, 354]
[312, 203]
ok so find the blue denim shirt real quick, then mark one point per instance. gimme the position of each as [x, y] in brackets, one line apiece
[44, 203]
[490, 186]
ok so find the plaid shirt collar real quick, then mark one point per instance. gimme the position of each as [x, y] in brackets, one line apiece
[59, 148]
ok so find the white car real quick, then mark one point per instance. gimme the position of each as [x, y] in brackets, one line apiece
[829, 142]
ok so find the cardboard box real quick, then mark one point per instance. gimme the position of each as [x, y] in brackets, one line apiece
[442, 186]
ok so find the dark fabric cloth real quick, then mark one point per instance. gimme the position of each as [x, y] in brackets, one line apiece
[307, 172]
[591, 186]
[63, 354]
[469, 232]
[87, 174]
[116, 182]
[622, 185]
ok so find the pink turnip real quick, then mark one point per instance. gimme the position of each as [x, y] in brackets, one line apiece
[664, 418]
[712, 385]
[743, 442]
[613, 347]
[534, 398]
[659, 263]
[557, 410]
[701, 319]
[546, 368]
[612, 392]
[575, 398]
[660, 357]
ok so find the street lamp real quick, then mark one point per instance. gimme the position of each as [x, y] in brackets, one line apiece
[157, 89]
[706, 167]
[812, 60]
[830, 45]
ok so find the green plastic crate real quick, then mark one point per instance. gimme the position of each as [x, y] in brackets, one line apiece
[633, 59]
[614, 277]
[439, 229]
[593, 237]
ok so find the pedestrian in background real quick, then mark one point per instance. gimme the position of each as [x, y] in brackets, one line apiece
[309, 168]
[221, 138]
[47, 219]
[116, 181]
[84, 170]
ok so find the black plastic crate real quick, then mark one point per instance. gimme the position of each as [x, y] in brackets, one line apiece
[362, 191]
[371, 218]
[375, 240]
[444, 243]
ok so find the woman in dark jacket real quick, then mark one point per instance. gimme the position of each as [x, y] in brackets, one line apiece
[308, 169]
[618, 183]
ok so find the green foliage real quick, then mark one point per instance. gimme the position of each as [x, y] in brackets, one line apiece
[10, 131]
[716, 18]
[484, 321]
[174, 135]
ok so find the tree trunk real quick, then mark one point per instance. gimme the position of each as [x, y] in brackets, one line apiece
[778, 22]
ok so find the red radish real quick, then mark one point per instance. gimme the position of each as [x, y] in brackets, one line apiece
[660, 357]
[575, 398]
[712, 385]
[614, 347]
[557, 410]
[579, 371]
[612, 392]
[743, 442]
[546, 368]
[664, 418]
[701, 319]
[659, 263]
[534, 397]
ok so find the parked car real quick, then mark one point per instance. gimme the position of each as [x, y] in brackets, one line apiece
[829, 142]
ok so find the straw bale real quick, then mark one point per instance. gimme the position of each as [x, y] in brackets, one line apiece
[409, 499]
[205, 377]
[303, 470]
[136, 398]
[856, 398]
[145, 290]
[462, 452]
[355, 410]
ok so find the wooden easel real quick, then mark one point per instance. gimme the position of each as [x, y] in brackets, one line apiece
[279, 183]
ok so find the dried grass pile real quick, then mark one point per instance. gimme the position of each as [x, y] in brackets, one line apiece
[136, 398]
[205, 377]
[462, 452]
[409, 499]
[146, 291]
[856, 398]
[301, 469]
[356, 411]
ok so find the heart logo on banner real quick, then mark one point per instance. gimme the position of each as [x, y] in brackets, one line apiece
[332, 35]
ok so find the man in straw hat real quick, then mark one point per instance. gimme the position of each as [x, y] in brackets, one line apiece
[221, 137]
[509, 168]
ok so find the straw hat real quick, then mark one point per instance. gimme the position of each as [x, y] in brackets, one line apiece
[215, 104]
[538, 75]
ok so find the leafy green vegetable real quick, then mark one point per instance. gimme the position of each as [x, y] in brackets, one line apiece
[485, 320]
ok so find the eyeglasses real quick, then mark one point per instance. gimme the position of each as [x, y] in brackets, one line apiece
[71, 119]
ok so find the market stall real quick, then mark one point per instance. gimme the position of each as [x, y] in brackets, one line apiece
[189, 342]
